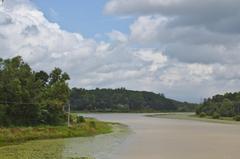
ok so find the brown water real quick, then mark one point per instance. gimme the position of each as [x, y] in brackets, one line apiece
[148, 138]
[157, 138]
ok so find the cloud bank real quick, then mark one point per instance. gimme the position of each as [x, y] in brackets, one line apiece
[186, 49]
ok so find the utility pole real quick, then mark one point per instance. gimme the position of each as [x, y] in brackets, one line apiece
[69, 113]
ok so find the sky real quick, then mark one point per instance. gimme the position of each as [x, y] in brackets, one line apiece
[186, 49]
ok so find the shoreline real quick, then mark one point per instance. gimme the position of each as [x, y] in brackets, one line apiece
[20, 135]
[66, 148]
[193, 117]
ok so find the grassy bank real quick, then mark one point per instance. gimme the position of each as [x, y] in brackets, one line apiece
[63, 148]
[192, 116]
[22, 134]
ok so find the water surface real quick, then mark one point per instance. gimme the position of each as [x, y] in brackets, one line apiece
[158, 138]
[149, 138]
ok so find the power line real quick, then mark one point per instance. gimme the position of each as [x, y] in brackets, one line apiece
[69, 113]
[7, 102]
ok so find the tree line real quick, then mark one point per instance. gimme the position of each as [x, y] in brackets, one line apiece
[227, 105]
[122, 100]
[30, 98]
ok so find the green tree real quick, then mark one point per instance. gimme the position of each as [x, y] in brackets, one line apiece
[19, 91]
[56, 96]
[43, 77]
[226, 108]
[31, 98]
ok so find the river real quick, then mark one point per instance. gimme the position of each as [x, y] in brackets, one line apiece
[158, 138]
[145, 138]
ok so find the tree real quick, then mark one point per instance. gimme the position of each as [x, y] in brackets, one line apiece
[122, 100]
[19, 91]
[226, 108]
[226, 105]
[43, 77]
[56, 96]
[31, 98]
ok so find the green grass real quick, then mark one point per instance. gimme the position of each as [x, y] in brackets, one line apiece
[22, 134]
[42, 149]
[192, 116]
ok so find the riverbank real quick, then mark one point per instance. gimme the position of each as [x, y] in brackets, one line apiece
[87, 147]
[192, 116]
[16, 135]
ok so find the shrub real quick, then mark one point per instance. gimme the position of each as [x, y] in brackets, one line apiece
[202, 114]
[216, 115]
[93, 124]
[80, 119]
[237, 118]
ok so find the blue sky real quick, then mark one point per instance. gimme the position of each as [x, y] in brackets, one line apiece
[83, 16]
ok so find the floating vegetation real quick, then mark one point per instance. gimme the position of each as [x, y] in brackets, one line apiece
[45, 149]
[80, 158]
[68, 148]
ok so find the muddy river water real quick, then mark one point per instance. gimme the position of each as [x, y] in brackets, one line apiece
[158, 138]
[145, 138]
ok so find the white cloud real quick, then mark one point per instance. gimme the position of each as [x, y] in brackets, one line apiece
[117, 36]
[157, 59]
[189, 30]
[146, 29]
[186, 43]
[181, 61]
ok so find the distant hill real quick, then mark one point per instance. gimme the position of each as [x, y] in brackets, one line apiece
[227, 105]
[122, 100]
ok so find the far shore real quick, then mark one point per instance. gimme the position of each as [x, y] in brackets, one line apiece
[193, 116]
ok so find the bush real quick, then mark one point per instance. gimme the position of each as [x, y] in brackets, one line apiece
[80, 119]
[216, 115]
[237, 118]
[93, 124]
[202, 114]
[4, 120]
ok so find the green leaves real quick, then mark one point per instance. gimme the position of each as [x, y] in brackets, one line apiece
[122, 100]
[25, 94]
[227, 105]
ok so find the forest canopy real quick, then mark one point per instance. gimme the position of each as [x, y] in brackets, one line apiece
[123, 100]
[30, 98]
[227, 105]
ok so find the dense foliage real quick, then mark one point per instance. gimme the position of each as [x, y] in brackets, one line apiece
[31, 98]
[122, 100]
[227, 105]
